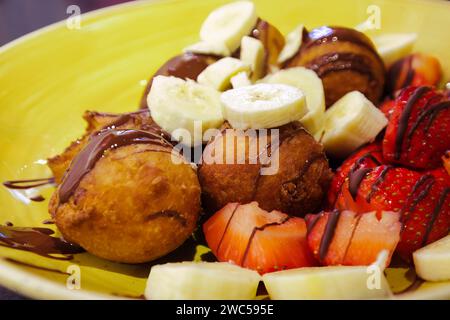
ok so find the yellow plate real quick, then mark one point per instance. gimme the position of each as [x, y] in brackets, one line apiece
[48, 78]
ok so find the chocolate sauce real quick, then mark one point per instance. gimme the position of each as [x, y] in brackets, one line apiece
[255, 230]
[327, 237]
[355, 177]
[435, 214]
[404, 119]
[336, 61]
[415, 200]
[29, 184]
[226, 228]
[86, 159]
[167, 214]
[48, 221]
[329, 34]
[430, 112]
[38, 241]
[311, 223]
[35, 267]
[380, 179]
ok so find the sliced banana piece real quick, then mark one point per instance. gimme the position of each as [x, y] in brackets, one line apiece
[201, 281]
[351, 122]
[209, 48]
[394, 46]
[218, 75]
[241, 80]
[433, 261]
[253, 54]
[229, 23]
[307, 81]
[293, 44]
[337, 282]
[263, 106]
[184, 104]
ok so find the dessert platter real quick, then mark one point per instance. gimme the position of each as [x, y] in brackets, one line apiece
[258, 164]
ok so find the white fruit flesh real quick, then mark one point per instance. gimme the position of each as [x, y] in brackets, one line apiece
[292, 46]
[311, 85]
[201, 281]
[263, 106]
[213, 48]
[392, 47]
[326, 283]
[351, 122]
[240, 80]
[253, 54]
[229, 23]
[218, 75]
[177, 104]
[433, 261]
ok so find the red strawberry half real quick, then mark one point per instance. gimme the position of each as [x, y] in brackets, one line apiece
[348, 238]
[418, 131]
[446, 160]
[368, 156]
[256, 239]
[422, 199]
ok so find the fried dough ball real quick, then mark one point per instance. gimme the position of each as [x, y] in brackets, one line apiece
[297, 187]
[345, 59]
[135, 205]
[97, 121]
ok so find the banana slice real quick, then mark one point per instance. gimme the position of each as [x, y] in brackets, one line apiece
[209, 48]
[292, 46]
[218, 75]
[351, 122]
[392, 47]
[201, 281]
[311, 85]
[241, 80]
[229, 23]
[433, 261]
[184, 104]
[337, 282]
[263, 106]
[253, 54]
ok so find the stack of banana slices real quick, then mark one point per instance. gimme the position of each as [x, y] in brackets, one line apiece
[243, 89]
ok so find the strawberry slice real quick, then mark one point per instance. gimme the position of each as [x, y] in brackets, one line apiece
[421, 199]
[446, 160]
[387, 107]
[417, 132]
[351, 239]
[368, 156]
[256, 239]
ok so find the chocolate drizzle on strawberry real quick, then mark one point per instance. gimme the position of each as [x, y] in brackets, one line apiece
[226, 228]
[414, 200]
[255, 230]
[431, 113]
[380, 179]
[355, 177]
[328, 234]
[434, 215]
[404, 118]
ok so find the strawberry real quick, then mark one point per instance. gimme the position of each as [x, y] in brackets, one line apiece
[368, 156]
[348, 238]
[417, 133]
[387, 107]
[414, 70]
[256, 239]
[422, 199]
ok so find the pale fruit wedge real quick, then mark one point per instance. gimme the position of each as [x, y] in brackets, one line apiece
[392, 47]
[351, 122]
[310, 84]
[433, 261]
[263, 106]
[293, 44]
[209, 48]
[186, 106]
[201, 281]
[229, 23]
[218, 75]
[253, 54]
[241, 80]
[339, 282]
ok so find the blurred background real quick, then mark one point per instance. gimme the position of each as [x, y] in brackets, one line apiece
[19, 17]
